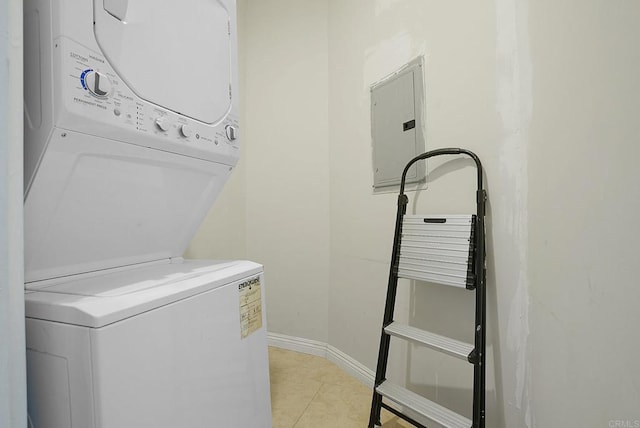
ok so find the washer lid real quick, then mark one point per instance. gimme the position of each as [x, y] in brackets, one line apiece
[175, 54]
[96, 301]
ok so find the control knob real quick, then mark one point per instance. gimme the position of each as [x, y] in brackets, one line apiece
[232, 132]
[186, 130]
[97, 83]
[163, 124]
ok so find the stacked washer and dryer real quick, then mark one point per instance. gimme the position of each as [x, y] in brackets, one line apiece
[131, 132]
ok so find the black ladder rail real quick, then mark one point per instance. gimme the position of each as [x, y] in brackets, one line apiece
[477, 356]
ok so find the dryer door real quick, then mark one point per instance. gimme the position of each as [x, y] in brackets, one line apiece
[175, 54]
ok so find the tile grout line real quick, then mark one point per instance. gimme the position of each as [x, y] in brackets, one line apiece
[309, 404]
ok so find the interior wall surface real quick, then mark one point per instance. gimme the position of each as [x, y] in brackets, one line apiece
[13, 407]
[583, 205]
[287, 161]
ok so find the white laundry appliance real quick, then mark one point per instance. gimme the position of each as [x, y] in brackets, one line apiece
[131, 131]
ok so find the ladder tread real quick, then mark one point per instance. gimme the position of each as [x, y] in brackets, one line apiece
[444, 344]
[422, 275]
[422, 406]
[451, 219]
[439, 252]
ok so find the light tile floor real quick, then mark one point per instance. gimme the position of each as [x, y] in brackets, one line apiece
[311, 392]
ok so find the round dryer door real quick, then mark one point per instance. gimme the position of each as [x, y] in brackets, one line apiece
[175, 54]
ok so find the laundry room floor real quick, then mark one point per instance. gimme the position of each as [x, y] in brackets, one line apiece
[311, 392]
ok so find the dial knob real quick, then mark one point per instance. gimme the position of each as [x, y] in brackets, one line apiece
[97, 83]
[232, 132]
[163, 124]
[186, 130]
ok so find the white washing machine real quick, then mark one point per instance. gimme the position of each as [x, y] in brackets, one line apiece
[131, 131]
[171, 345]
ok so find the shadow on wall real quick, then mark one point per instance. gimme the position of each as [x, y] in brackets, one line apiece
[450, 311]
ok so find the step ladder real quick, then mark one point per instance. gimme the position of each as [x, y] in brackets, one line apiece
[447, 250]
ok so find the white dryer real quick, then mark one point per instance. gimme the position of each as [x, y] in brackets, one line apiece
[131, 131]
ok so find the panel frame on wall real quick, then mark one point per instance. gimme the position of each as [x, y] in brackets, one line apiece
[398, 126]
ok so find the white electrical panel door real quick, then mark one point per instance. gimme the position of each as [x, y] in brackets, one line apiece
[397, 126]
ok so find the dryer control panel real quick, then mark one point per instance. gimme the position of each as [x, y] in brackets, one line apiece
[94, 99]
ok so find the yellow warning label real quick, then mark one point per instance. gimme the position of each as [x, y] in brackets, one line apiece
[250, 306]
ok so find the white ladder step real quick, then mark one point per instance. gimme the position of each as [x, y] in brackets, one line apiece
[437, 249]
[444, 344]
[421, 273]
[423, 407]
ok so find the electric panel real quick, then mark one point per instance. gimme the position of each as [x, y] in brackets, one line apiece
[397, 126]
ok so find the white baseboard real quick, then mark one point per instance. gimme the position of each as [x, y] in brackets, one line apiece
[298, 344]
[351, 366]
[321, 349]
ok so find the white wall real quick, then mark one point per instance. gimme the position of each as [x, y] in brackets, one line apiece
[13, 408]
[287, 161]
[583, 208]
